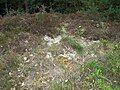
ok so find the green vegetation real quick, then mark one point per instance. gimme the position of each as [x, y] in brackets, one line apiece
[101, 74]
[66, 85]
[74, 44]
[105, 9]
[105, 73]
[80, 31]
[71, 39]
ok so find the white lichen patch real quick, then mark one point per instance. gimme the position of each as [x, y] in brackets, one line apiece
[68, 55]
[51, 41]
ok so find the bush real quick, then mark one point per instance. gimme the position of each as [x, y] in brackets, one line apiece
[108, 9]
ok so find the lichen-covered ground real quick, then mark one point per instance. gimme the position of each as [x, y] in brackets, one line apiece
[45, 60]
[41, 62]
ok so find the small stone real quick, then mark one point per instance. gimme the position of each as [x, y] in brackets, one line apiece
[25, 58]
[91, 89]
[43, 82]
[31, 55]
[26, 49]
[82, 38]
[36, 65]
[10, 73]
[22, 84]
[48, 80]
[97, 25]
[37, 72]
[18, 70]
[27, 61]
[18, 75]
[49, 55]
[92, 55]
[98, 41]
[1, 46]
[66, 80]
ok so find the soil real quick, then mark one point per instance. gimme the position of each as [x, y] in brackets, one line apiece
[95, 29]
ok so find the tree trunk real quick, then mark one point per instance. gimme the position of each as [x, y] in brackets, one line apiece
[6, 6]
[26, 6]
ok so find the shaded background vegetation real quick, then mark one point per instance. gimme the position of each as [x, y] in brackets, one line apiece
[109, 9]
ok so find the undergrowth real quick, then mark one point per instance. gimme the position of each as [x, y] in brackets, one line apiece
[101, 74]
[105, 74]
[8, 65]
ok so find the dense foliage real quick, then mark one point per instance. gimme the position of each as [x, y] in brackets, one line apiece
[107, 8]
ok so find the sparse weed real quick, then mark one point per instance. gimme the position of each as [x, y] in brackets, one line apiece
[105, 74]
[80, 31]
[71, 40]
[65, 85]
[74, 44]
